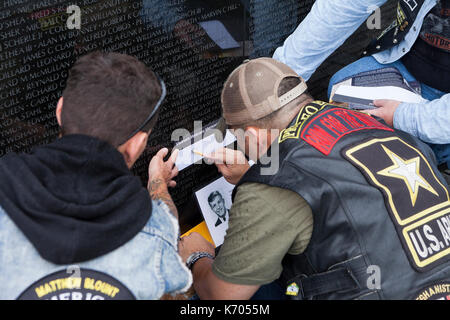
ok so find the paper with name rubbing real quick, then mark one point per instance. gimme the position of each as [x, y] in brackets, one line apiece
[208, 145]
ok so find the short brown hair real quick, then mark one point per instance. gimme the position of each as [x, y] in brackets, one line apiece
[108, 96]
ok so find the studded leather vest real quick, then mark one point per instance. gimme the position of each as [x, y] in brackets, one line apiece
[381, 209]
[429, 58]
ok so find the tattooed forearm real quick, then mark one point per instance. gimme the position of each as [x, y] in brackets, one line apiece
[159, 191]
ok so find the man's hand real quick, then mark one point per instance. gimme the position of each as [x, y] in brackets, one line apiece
[160, 175]
[165, 171]
[194, 243]
[232, 164]
[385, 110]
[207, 285]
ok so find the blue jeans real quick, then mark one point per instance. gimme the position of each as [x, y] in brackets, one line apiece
[365, 64]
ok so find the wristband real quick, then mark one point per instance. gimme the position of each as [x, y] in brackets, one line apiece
[193, 258]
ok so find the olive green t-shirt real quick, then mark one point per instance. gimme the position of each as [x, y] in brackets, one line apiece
[265, 224]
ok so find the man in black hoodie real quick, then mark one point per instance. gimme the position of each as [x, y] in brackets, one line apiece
[74, 221]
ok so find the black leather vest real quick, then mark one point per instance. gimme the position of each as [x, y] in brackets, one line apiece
[381, 209]
[429, 58]
[407, 12]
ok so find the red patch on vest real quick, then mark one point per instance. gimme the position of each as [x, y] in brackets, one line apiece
[325, 130]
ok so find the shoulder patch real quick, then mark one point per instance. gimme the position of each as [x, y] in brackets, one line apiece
[77, 284]
[307, 112]
[327, 128]
[415, 198]
[439, 291]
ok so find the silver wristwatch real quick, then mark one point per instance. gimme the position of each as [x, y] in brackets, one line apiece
[193, 258]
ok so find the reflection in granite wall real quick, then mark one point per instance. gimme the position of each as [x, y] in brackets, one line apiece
[192, 44]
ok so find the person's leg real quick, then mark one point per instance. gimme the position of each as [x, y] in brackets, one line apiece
[442, 152]
[362, 65]
[369, 64]
[430, 93]
[366, 64]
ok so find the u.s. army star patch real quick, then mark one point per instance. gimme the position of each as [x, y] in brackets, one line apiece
[415, 198]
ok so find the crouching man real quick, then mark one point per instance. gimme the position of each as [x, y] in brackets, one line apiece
[356, 209]
[74, 221]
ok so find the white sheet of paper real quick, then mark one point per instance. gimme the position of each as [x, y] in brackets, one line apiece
[376, 93]
[208, 145]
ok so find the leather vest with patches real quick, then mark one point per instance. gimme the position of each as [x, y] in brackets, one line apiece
[429, 58]
[381, 209]
[406, 15]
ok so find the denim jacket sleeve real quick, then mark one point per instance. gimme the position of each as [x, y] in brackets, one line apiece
[430, 122]
[326, 27]
[176, 276]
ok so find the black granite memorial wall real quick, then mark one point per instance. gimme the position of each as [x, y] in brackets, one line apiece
[192, 44]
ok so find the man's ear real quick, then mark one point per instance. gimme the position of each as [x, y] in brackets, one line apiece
[260, 139]
[253, 134]
[59, 110]
[252, 142]
[133, 148]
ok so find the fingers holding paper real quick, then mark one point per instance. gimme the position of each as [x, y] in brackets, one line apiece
[385, 110]
[232, 164]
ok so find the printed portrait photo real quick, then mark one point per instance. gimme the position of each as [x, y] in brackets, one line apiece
[215, 202]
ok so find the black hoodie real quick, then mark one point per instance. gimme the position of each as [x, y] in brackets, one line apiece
[74, 199]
